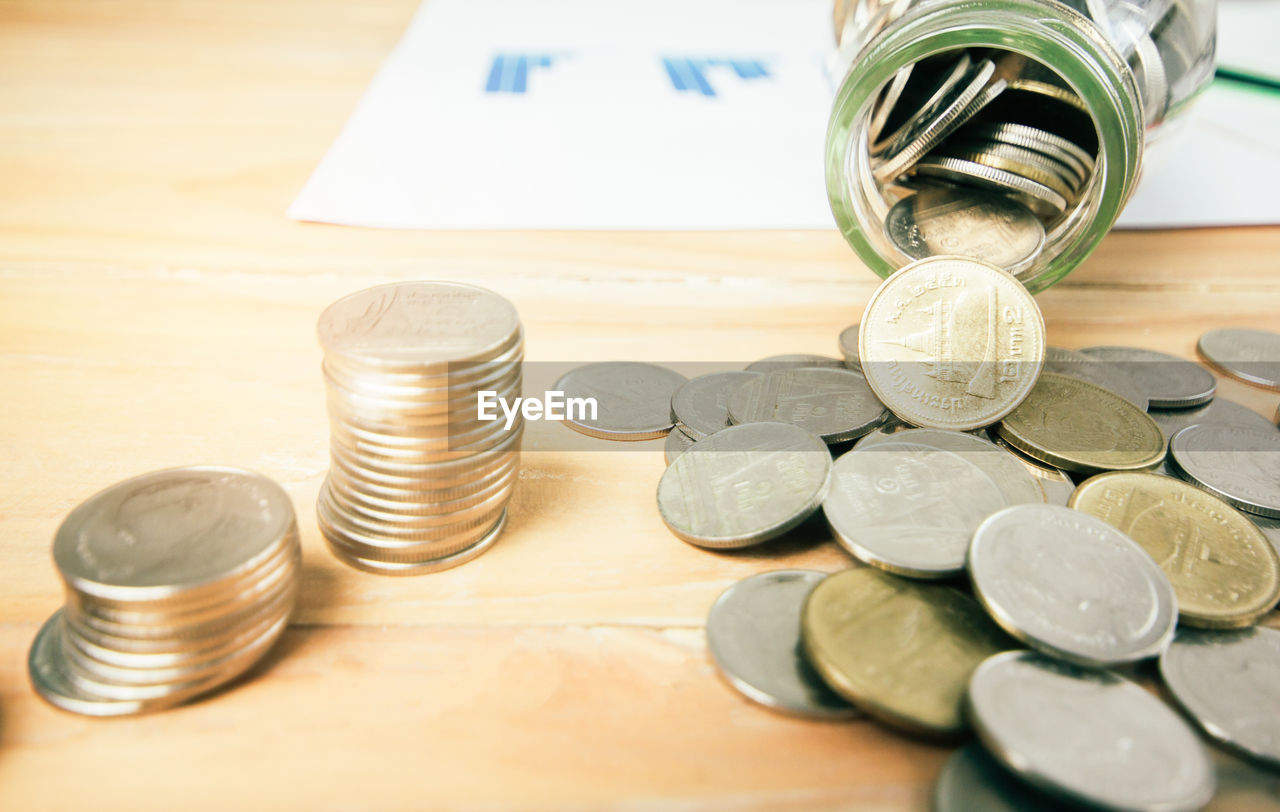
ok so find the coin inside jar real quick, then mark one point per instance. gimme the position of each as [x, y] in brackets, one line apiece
[967, 223]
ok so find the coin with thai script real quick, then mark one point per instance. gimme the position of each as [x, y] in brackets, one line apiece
[1223, 569]
[1013, 480]
[744, 485]
[633, 400]
[1240, 465]
[909, 508]
[1087, 734]
[1252, 356]
[901, 650]
[1071, 585]
[1229, 683]
[967, 223]
[1082, 428]
[835, 404]
[951, 343]
[1169, 382]
[753, 634]
[701, 404]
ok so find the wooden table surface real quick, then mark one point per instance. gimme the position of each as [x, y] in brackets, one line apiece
[158, 309]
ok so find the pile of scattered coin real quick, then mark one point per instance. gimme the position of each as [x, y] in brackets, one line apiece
[418, 481]
[176, 582]
[1081, 531]
[979, 138]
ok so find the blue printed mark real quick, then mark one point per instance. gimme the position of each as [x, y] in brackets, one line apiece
[510, 72]
[690, 75]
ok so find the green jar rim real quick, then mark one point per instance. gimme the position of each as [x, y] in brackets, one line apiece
[1044, 30]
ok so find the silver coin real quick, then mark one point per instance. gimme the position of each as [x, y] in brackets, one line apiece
[170, 531]
[744, 485]
[1169, 382]
[968, 223]
[886, 102]
[1269, 527]
[1014, 481]
[849, 347]
[633, 400]
[1218, 412]
[1071, 585]
[701, 404]
[1229, 683]
[775, 363]
[753, 634]
[942, 86]
[908, 508]
[1036, 196]
[1087, 734]
[1240, 465]
[835, 404]
[972, 781]
[1075, 364]
[930, 126]
[417, 324]
[1252, 356]
[677, 443]
[1056, 483]
[1046, 143]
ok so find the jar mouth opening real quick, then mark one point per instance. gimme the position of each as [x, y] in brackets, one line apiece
[1051, 104]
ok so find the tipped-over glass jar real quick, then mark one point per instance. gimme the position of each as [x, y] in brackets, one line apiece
[1008, 130]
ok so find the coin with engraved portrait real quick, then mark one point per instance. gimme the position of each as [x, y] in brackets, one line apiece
[753, 635]
[1082, 428]
[1229, 683]
[900, 650]
[1223, 569]
[1087, 734]
[744, 485]
[951, 343]
[1071, 585]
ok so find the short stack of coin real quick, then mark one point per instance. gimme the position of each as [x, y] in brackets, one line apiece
[419, 479]
[177, 582]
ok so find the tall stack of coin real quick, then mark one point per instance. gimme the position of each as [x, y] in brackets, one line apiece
[177, 582]
[421, 474]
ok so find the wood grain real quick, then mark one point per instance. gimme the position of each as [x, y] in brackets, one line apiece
[157, 309]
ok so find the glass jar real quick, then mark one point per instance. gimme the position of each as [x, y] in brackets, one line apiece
[932, 86]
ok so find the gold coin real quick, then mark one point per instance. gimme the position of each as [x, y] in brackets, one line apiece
[951, 343]
[1224, 571]
[901, 650]
[1082, 428]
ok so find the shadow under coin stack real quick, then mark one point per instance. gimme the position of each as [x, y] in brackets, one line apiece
[418, 482]
[177, 582]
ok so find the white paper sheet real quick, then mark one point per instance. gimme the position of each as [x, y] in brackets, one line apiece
[589, 114]
[678, 115]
